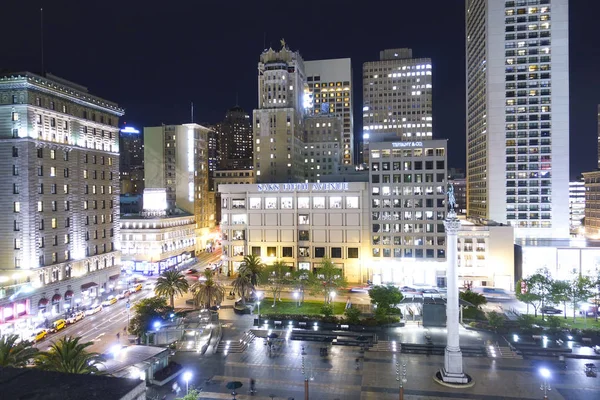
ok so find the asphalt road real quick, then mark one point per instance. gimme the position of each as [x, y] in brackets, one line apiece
[102, 327]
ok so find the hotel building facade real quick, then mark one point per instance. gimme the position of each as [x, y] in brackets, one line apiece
[60, 241]
[517, 80]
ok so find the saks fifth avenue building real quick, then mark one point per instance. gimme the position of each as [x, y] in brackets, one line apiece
[299, 224]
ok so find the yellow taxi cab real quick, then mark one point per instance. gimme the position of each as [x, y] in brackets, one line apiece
[38, 336]
[138, 287]
[109, 301]
[58, 325]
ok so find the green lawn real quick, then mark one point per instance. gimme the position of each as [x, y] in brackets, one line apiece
[579, 323]
[288, 306]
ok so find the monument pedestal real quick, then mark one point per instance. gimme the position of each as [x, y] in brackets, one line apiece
[453, 368]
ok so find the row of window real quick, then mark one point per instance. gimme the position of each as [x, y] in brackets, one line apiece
[408, 228]
[271, 203]
[52, 154]
[408, 253]
[408, 165]
[318, 252]
[397, 153]
[408, 178]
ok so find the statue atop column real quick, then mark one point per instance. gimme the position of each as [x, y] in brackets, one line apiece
[451, 198]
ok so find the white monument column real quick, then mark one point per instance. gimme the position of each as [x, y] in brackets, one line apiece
[452, 373]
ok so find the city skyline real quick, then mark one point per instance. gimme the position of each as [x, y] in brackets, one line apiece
[133, 77]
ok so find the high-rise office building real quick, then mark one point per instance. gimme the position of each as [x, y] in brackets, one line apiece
[176, 175]
[330, 93]
[598, 135]
[576, 205]
[278, 121]
[235, 140]
[518, 114]
[408, 191]
[323, 141]
[59, 232]
[131, 161]
[397, 98]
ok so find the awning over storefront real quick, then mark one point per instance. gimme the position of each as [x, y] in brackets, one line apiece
[56, 298]
[68, 295]
[114, 277]
[43, 302]
[88, 285]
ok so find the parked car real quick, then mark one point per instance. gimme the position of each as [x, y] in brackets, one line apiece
[94, 309]
[597, 349]
[492, 293]
[38, 336]
[125, 293]
[550, 310]
[109, 301]
[58, 325]
[78, 316]
[191, 271]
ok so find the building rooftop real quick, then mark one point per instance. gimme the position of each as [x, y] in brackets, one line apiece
[34, 384]
[178, 213]
[132, 355]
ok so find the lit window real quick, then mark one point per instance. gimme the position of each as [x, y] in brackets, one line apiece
[54, 224]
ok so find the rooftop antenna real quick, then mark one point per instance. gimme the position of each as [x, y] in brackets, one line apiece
[42, 38]
[192, 112]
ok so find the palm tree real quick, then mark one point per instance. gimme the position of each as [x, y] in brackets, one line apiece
[13, 354]
[242, 286]
[69, 356]
[171, 283]
[253, 266]
[207, 291]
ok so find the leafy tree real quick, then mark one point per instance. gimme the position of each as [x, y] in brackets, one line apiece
[527, 296]
[385, 298]
[579, 291]
[14, 354]
[301, 280]
[352, 315]
[253, 266]
[69, 356]
[553, 322]
[208, 291]
[328, 278]
[474, 298]
[193, 394]
[147, 311]
[276, 276]
[171, 283]
[540, 284]
[559, 293]
[242, 286]
[495, 320]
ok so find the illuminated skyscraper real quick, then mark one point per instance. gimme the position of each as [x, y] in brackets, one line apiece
[330, 88]
[397, 98]
[518, 114]
[235, 140]
[131, 161]
[176, 174]
[278, 121]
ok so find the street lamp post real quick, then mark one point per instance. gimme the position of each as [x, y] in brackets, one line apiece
[545, 387]
[258, 296]
[186, 377]
[401, 378]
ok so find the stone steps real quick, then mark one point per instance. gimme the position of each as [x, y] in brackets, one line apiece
[236, 346]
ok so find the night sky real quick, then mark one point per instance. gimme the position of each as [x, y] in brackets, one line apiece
[155, 58]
